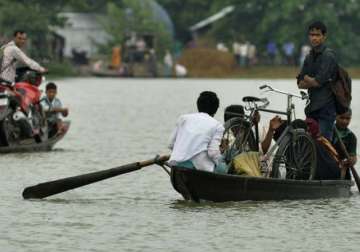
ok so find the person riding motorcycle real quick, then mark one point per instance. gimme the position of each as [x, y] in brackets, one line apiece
[11, 55]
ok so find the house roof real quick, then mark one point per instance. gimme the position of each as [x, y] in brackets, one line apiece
[212, 18]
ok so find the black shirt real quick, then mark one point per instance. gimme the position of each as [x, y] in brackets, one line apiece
[349, 140]
[320, 64]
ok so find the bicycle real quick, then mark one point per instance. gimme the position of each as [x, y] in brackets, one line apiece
[294, 154]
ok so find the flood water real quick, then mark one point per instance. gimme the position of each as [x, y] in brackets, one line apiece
[119, 121]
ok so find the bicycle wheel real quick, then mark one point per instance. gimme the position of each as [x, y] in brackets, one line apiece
[238, 137]
[296, 157]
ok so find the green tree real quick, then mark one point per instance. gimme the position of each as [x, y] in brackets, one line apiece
[186, 13]
[134, 16]
[260, 21]
[31, 16]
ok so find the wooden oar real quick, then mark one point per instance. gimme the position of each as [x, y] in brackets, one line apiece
[353, 171]
[46, 189]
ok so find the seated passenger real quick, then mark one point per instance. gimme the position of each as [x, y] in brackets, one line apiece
[242, 125]
[230, 112]
[246, 162]
[328, 162]
[195, 142]
[274, 125]
[328, 165]
[349, 140]
[52, 108]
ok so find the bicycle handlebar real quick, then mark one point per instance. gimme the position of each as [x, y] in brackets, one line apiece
[303, 95]
[263, 86]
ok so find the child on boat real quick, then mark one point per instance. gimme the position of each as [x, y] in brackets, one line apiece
[53, 108]
[348, 138]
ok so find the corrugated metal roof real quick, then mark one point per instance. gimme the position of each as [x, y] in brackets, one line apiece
[212, 18]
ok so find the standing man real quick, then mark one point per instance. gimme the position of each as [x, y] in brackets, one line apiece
[319, 70]
[195, 142]
[12, 54]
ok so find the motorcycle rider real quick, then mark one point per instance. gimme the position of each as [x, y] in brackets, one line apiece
[12, 54]
[52, 107]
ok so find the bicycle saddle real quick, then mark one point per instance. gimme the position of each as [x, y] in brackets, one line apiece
[251, 99]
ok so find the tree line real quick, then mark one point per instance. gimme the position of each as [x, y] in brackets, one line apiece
[260, 21]
[257, 21]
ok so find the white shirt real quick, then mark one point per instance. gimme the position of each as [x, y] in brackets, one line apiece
[197, 138]
[180, 70]
[48, 105]
[12, 55]
[236, 48]
[168, 59]
[243, 50]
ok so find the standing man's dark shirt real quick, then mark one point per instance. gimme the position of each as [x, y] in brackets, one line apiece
[316, 76]
[320, 64]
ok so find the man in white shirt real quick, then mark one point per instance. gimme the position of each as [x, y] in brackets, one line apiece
[195, 142]
[12, 54]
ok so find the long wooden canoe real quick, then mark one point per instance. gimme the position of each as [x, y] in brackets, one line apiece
[198, 185]
[32, 146]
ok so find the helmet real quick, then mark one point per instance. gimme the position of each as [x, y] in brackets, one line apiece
[32, 77]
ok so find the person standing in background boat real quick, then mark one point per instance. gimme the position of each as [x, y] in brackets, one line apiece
[168, 64]
[195, 142]
[11, 54]
[304, 51]
[319, 69]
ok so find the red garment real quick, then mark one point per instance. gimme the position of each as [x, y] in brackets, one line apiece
[313, 127]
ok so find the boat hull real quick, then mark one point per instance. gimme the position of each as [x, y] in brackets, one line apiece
[200, 185]
[32, 146]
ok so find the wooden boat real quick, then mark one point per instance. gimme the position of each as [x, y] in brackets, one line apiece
[32, 146]
[108, 73]
[198, 185]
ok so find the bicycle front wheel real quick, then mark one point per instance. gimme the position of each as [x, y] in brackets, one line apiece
[296, 157]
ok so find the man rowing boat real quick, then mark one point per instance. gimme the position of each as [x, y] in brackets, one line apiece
[195, 142]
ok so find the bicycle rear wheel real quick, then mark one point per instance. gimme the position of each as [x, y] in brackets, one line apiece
[296, 157]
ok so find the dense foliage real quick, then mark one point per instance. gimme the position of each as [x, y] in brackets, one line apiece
[262, 20]
[134, 16]
[257, 21]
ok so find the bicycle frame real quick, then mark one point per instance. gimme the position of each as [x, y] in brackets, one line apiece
[289, 113]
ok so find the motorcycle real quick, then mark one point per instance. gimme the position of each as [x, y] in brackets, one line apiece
[21, 117]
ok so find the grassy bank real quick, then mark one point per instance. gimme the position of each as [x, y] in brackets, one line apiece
[278, 72]
[211, 63]
[61, 69]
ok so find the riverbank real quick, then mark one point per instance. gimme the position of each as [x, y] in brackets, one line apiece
[210, 63]
[278, 72]
[66, 69]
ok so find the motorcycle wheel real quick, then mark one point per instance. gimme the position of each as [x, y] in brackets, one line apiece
[4, 137]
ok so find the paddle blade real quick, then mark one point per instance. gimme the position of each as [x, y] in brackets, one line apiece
[46, 189]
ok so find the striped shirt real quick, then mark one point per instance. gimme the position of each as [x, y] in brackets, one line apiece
[11, 56]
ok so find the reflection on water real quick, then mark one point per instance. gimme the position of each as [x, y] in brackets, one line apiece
[117, 121]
